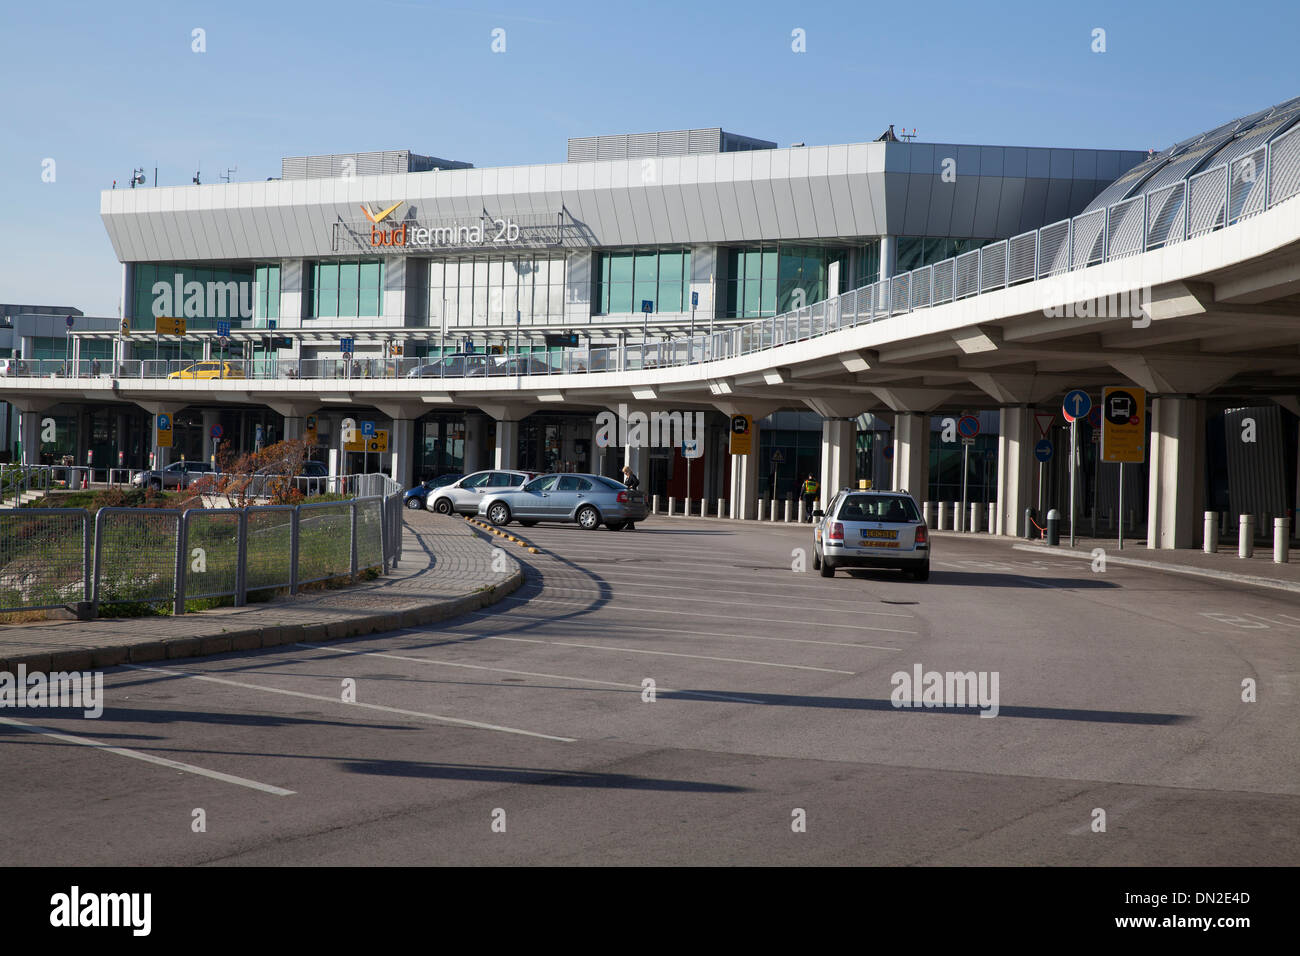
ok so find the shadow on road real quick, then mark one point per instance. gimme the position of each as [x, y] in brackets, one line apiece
[532, 776]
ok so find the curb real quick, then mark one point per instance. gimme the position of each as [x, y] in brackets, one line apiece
[253, 638]
[526, 545]
[1233, 576]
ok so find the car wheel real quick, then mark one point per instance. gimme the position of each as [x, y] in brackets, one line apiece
[588, 518]
[499, 514]
[415, 504]
[615, 525]
[156, 485]
[527, 524]
[923, 573]
[827, 569]
[442, 506]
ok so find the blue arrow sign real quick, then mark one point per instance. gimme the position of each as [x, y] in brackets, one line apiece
[1043, 450]
[1077, 404]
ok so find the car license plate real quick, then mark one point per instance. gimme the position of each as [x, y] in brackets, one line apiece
[879, 533]
[869, 543]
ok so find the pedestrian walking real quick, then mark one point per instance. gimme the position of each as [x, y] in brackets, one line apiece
[633, 483]
[810, 489]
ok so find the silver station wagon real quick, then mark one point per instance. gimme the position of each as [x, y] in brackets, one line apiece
[588, 500]
[871, 529]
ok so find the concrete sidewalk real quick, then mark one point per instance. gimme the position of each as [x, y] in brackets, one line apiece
[1257, 571]
[446, 570]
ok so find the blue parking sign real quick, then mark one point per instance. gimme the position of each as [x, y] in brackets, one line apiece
[367, 429]
[695, 299]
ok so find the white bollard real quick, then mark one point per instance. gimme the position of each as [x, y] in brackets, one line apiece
[958, 517]
[654, 505]
[775, 513]
[1246, 536]
[943, 516]
[722, 507]
[974, 518]
[1211, 540]
[802, 516]
[787, 510]
[927, 512]
[1281, 540]
[993, 517]
[761, 503]
[671, 504]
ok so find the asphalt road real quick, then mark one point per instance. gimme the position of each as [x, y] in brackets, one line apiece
[1118, 691]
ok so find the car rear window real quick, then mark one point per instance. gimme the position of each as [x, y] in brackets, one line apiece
[878, 508]
[611, 484]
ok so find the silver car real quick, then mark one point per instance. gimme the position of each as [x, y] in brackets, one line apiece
[463, 496]
[588, 500]
[871, 529]
[176, 475]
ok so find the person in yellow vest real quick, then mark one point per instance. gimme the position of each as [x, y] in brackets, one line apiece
[810, 489]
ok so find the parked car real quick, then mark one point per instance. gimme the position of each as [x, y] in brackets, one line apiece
[179, 474]
[210, 370]
[871, 529]
[464, 365]
[588, 500]
[417, 497]
[312, 479]
[462, 496]
[11, 366]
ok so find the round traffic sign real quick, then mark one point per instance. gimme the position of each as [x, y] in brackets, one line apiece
[889, 452]
[1094, 416]
[1077, 404]
[1043, 450]
[968, 426]
[215, 430]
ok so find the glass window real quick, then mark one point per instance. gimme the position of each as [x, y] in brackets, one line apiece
[544, 483]
[569, 483]
[348, 279]
[473, 481]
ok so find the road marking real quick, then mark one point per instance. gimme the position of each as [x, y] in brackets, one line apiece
[698, 657]
[1220, 576]
[506, 670]
[150, 758]
[334, 700]
[723, 617]
[785, 607]
[609, 625]
[613, 574]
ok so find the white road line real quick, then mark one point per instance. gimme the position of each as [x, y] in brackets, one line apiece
[722, 617]
[698, 657]
[334, 700]
[747, 603]
[612, 573]
[149, 758]
[506, 670]
[610, 626]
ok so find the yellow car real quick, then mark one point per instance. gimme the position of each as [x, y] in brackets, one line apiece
[209, 370]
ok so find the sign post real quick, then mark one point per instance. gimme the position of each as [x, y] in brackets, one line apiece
[1123, 434]
[1077, 404]
[647, 306]
[968, 426]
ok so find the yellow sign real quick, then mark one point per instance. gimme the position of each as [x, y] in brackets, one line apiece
[164, 431]
[309, 430]
[742, 434]
[169, 325]
[378, 217]
[1124, 425]
[380, 442]
[126, 326]
[864, 484]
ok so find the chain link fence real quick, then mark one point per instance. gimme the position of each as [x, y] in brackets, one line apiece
[62, 556]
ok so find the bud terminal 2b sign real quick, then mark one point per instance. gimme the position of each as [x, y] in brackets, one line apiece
[483, 232]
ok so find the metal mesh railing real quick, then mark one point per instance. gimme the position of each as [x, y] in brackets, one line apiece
[209, 559]
[135, 555]
[324, 541]
[270, 536]
[1166, 215]
[44, 558]
[370, 533]
[1206, 195]
[993, 266]
[1125, 225]
[1021, 251]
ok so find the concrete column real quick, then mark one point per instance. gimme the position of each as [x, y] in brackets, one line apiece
[401, 448]
[210, 417]
[507, 445]
[29, 432]
[1016, 465]
[1176, 496]
[912, 454]
[293, 428]
[128, 291]
[888, 255]
[839, 456]
[632, 458]
[744, 480]
[475, 427]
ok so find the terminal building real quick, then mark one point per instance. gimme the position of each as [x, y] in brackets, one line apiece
[371, 266]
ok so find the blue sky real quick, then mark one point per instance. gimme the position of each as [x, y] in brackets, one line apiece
[103, 87]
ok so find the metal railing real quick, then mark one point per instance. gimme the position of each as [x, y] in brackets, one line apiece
[1213, 199]
[53, 557]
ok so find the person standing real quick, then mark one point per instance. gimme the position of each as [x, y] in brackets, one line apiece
[810, 489]
[633, 483]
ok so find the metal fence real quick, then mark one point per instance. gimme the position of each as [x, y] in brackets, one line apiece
[1212, 199]
[60, 556]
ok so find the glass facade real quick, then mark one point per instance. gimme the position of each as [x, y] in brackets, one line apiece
[627, 278]
[267, 279]
[347, 289]
[916, 251]
[770, 279]
[868, 264]
[486, 292]
[218, 300]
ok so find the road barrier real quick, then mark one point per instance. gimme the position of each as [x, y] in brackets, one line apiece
[1210, 541]
[1245, 536]
[55, 557]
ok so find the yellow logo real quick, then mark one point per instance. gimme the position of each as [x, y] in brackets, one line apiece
[380, 217]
